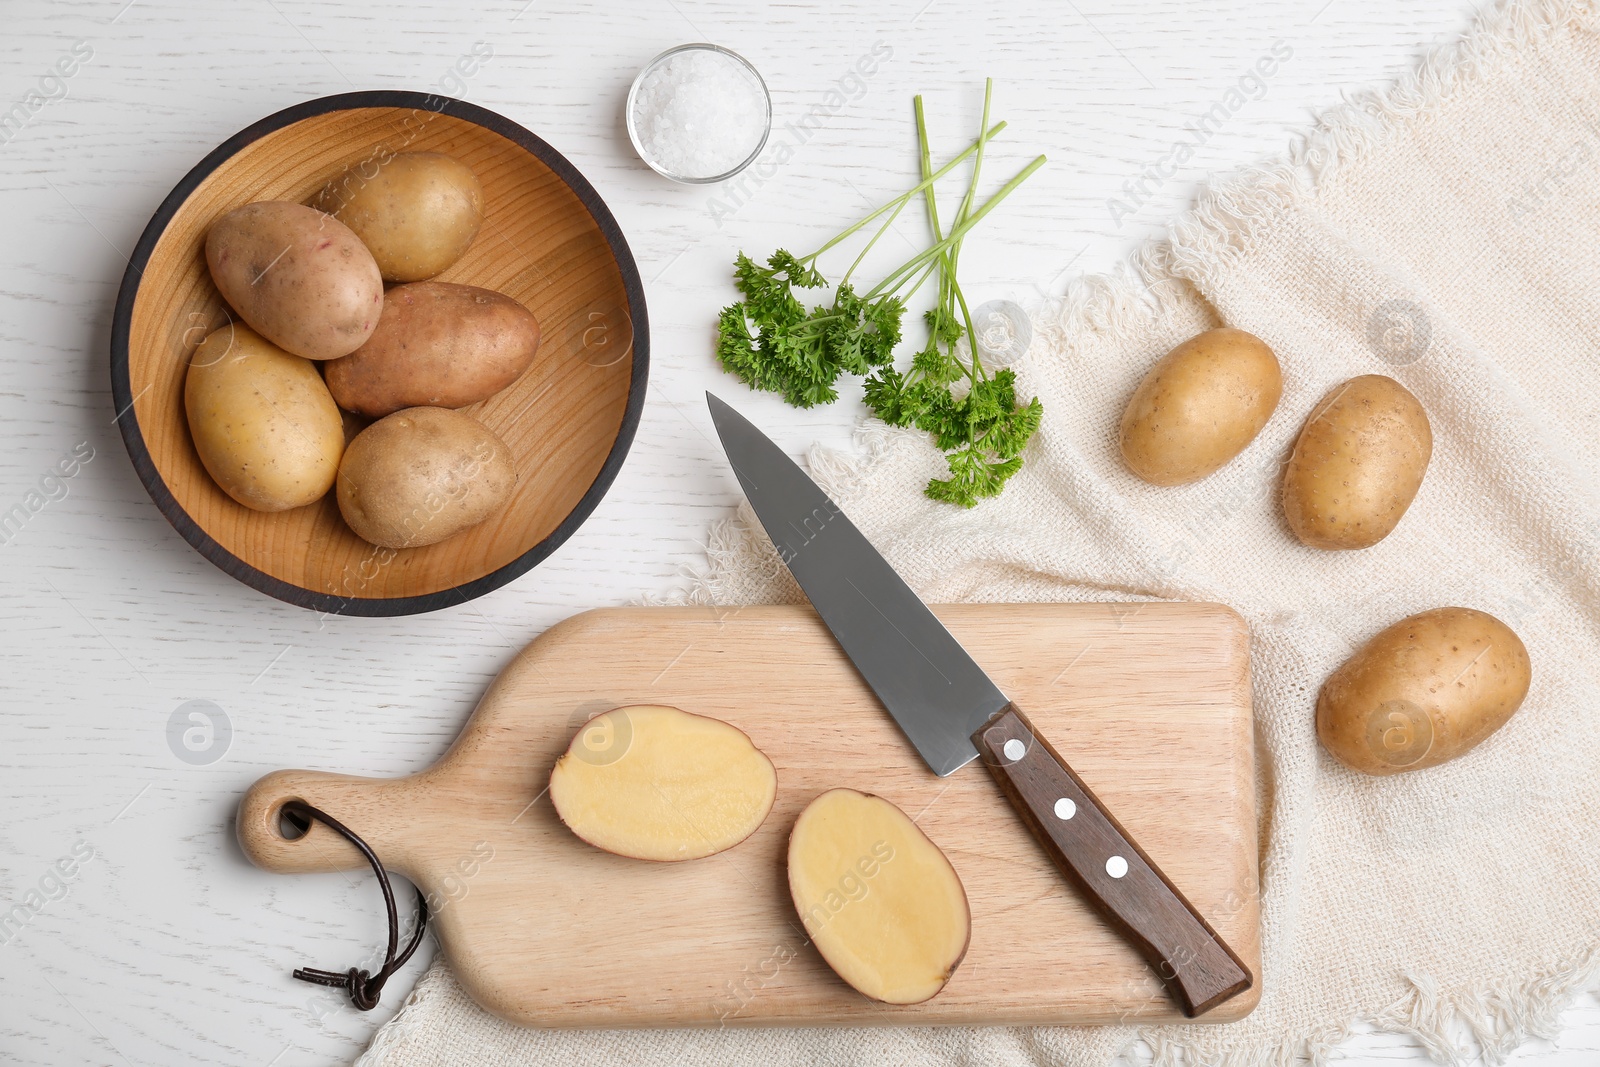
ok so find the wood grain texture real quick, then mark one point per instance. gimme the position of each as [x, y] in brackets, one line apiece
[549, 931]
[539, 244]
[170, 948]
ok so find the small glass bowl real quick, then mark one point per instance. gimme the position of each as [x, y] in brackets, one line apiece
[649, 68]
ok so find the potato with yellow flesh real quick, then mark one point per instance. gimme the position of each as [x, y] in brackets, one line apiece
[1425, 690]
[265, 426]
[1200, 406]
[879, 900]
[1358, 464]
[657, 783]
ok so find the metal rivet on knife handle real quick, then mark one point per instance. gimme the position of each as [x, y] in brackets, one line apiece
[1095, 853]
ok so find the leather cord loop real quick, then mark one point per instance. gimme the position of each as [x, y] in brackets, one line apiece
[364, 988]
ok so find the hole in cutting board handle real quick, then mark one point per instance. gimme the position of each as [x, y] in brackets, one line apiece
[292, 825]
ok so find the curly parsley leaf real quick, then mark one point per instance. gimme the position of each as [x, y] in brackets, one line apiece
[974, 417]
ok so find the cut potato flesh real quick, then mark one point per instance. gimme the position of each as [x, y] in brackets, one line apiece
[880, 901]
[656, 783]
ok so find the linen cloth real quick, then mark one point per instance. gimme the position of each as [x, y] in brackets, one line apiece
[1445, 232]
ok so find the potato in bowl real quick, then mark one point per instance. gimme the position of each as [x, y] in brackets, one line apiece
[548, 241]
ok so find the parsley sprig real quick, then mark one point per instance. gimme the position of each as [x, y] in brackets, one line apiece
[973, 415]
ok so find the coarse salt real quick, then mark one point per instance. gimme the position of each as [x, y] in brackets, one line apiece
[699, 114]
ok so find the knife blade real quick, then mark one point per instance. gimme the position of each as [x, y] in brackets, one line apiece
[952, 713]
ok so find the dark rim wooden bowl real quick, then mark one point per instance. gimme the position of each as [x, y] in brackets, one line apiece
[548, 240]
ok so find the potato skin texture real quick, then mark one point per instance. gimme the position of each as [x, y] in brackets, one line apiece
[417, 213]
[297, 277]
[436, 345]
[1200, 406]
[262, 420]
[1357, 465]
[421, 475]
[1425, 690]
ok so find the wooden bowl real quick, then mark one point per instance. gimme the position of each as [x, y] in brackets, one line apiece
[547, 240]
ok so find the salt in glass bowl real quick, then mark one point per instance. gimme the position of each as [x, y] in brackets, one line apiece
[638, 143]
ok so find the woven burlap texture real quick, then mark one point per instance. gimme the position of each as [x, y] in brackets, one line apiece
[1446, 232]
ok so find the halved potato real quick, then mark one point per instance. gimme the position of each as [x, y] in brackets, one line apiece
[656, 783]
[880, 901]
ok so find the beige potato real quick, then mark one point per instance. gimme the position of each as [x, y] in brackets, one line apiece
[1357, 465]
[298, 277]
[422, 475]
[1423, 691]
[656, 783]
[1200, 406]
[417, 211]
[262, 420]
[880, 901]
[436, 345]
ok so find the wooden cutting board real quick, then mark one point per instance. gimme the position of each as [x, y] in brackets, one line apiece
[1150, 703]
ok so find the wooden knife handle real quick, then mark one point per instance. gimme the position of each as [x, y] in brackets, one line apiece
[1098, 856]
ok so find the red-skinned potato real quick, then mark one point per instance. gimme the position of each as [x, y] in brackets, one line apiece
[297, 277]
[436, 345]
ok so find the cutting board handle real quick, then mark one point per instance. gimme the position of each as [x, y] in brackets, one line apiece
[376, 809]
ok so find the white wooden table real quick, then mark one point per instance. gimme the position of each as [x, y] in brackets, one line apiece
[167, 947]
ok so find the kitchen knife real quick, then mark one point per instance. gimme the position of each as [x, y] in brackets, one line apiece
[952, 714]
